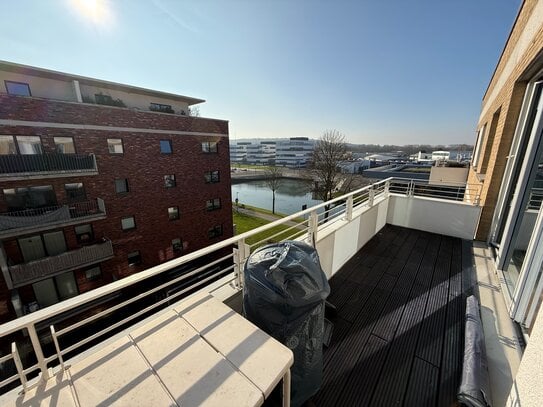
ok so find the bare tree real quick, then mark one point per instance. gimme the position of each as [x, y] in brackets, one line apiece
[329, 151]
[274, 177]
[194, 111]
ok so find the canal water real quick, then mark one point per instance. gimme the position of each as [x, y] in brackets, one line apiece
[289, 197]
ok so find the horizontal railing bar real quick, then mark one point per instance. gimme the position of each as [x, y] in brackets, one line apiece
[140, 296]
[137, 314]
[5, 358]
[9, 380]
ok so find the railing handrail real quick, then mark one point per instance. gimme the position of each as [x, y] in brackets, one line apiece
[82, 299]
[69, 304]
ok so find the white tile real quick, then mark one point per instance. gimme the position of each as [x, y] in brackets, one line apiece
[55, 392]
[117, 375]
[260, 357]
[194, 373]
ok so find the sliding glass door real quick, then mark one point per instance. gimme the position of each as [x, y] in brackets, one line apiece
[517, 222]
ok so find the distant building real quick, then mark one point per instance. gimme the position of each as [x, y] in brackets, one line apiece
[295, 152]
[441, 155]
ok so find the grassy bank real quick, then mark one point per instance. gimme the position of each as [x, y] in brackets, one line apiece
[267, 212]
[244, 223]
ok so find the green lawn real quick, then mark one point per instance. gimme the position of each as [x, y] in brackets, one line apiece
[267, 212]
[244, 223]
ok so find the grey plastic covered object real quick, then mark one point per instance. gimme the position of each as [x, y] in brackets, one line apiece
[475, 386]
[284, 294]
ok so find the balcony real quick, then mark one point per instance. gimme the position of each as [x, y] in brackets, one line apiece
[399, 265]
[35, 220]
[22, 274]
[17, 167]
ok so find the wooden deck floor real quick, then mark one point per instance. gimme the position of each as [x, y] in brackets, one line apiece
[398, 336]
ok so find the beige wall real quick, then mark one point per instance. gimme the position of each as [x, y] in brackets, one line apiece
[501, 106]
[41, 87]
[64, 90]
[448, 175]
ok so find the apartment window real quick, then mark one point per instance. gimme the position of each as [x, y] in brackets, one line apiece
[17, 88]
[169, 181]
[215, 231]
[64, 145]
[75, 192]
[128, 223]
[18, 199]
[211, 177]
[213, 204]
[173, 212]
[177, 245]
[121, 185]
[166, 146]
[29, 145]
[93, 274]
[209, 147]
[159, 107]
[484, 155]
[115, 146]
[84, 233]
[7, 145]
[134, 258]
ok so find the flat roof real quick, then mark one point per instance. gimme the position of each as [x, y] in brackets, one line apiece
[50, 74]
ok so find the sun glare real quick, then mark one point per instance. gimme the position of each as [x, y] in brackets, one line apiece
[97, 12]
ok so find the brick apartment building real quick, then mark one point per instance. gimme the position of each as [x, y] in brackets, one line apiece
[99, 180]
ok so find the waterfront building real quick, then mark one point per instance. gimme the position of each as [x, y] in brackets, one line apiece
[295, 152]
[100, 180]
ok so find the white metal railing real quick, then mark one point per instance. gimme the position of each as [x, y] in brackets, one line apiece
[455, 191]
[179, 277]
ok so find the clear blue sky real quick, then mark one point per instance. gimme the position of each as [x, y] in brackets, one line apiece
[380, 71]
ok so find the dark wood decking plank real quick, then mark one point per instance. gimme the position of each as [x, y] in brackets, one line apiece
[337, 371]
[341, 329]
[385, 327]
[468, 269]
[433, 326]
[394, 377]
[364, 374]
[423, 382]
[451, 368]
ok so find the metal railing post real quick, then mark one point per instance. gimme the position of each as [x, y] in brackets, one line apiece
[313, 227]
[349, 208]
[36, 345]
[387, 188]
[371, 196]
[18, 364]
[240, 255]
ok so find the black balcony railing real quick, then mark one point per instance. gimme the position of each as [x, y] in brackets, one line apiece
[38, 163]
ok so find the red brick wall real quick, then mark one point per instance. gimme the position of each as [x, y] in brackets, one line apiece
[43, 110]
[144, 167]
